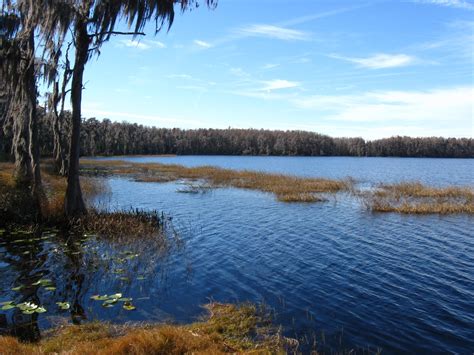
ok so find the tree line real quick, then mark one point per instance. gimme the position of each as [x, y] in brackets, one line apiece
[104, 137]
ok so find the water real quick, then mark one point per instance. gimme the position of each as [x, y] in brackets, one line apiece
[331, 271]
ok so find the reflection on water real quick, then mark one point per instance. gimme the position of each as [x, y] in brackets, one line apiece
[49, 277]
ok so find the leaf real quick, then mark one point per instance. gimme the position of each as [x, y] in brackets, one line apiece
[40, 310]
[99, 298]
[18, 288]
[63, 305]
[107, 305]
[6, 302]
[50, 288]
[28, 311]
[128, 306]
[125, 299]
[117, 295]
[7, 307]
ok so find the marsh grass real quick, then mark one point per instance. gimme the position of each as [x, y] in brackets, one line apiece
[416, 198]
[227, 329]
[286, 188]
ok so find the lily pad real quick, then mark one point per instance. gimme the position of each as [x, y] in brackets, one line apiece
[63, 305]
[117, 296]
[18, 288]
[125, 299]
[28, 311]
[6, 307]
[99, 298]
[128, 306]
[50, 288]
[40, 310]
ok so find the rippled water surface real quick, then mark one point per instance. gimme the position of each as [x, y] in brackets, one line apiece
[331, 271]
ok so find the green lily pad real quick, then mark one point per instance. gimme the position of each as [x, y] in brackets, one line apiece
[28, 311]
[99, 298]
[18, 288]
[128, 306]
[117, 296]
[6, 302]
[140, 278]
[50, 288]
[6, 307]
[63, 305]
[107, 305]
[40, 310]
[125, 299]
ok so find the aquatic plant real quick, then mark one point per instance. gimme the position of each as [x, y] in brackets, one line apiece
[416, 198]
[286, 188]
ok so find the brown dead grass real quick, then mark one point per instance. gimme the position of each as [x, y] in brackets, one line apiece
[285, 188]
[228, 329]
[416, 198]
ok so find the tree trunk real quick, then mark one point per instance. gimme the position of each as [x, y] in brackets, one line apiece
[74, 203]
[59, 155]
[34, 149]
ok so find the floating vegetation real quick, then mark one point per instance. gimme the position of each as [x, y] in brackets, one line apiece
[286, 188]
[63, 305]
[111, 300]
[30, 308]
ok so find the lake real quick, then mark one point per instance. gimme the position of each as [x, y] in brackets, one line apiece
[330, 272]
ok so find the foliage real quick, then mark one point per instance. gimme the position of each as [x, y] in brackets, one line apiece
[114, 138]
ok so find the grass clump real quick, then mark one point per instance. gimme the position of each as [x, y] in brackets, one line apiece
[227, 329]
[416, 198]
[285, 188]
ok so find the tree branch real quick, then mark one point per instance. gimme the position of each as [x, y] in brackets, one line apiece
[117, 33]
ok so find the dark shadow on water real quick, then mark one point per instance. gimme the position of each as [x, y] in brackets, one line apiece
[49, 277]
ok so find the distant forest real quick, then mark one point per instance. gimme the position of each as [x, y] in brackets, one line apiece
[104, 137]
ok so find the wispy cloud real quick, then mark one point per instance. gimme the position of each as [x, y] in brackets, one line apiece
[180, 76]
[141, 45]
[460, 4]
[448, 105]
[202, 44]
[279, 84]
[380, 61]
[271, 31]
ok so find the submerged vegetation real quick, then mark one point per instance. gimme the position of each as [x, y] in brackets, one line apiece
[286, 188]
[416, 198]
[227, 329]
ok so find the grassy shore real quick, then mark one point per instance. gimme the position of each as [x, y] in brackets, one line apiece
[286, 188]
[416, 198]
[227, 329]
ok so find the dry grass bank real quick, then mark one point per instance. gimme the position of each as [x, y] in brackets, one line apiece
[416, 198]
[228, 329]
[285, 188]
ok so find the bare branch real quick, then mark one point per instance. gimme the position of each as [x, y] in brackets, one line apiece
[114, 33]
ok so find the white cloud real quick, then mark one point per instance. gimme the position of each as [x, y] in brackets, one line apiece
[279, 84]
[180, 76]
[202, 44]
[460, 4]
[141, 45]
[449, 106]
[380, 61]
[276, 32]
[271, 66]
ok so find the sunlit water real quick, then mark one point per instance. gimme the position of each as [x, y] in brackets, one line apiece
[331, 271]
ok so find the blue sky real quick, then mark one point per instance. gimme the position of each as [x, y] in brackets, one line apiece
[344, 68]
